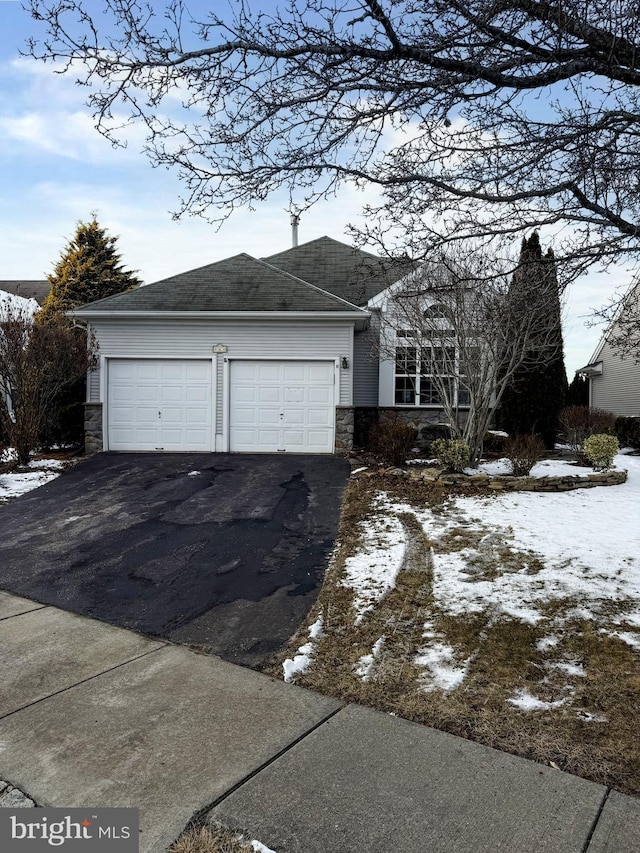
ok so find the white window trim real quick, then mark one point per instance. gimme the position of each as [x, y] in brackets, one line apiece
[404, 343]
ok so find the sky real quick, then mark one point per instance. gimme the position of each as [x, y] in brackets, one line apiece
[56, 170]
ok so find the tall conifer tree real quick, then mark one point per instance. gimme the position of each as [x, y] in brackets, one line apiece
[539, 388]
[90, 268]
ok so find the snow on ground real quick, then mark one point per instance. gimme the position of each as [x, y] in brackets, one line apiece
[545, 468]
[261, 848]
[439, 659]
[516, 552]
[364, 666]
[15, 484]
[302, 658]
[526, 702]
[372, 572]
[588, 541]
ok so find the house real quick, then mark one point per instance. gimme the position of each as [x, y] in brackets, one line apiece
[246, 355]
[614, 370]
[13, 306]
[26, 289]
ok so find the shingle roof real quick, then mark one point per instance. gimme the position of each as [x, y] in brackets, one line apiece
[239, 283]
[28, 289]
[350, 273]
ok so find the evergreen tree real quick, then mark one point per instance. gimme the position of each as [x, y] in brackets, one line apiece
[90, 268]
[538, 390]
[578, 394]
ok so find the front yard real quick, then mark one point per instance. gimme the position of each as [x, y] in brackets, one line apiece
[510, 619]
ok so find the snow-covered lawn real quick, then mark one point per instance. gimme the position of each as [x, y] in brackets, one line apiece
[523, 603]
[17, 483]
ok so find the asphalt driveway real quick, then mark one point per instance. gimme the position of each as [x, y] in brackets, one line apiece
[225, 552]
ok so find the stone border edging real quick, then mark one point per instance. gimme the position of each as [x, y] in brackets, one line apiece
[501, 483]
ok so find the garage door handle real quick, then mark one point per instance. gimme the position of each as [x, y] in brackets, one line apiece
[160, 415]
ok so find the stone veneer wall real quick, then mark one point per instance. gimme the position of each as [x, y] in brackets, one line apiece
[92, 428]
[517, 484]
[344, 429]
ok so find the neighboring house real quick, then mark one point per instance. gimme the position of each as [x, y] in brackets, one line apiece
[247, 355]
[26, 289]
[614, 378]
[12, 306]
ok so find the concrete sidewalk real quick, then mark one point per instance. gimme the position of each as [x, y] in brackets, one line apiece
[92, 715]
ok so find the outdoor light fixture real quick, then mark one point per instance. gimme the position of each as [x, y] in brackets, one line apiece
[345, 362]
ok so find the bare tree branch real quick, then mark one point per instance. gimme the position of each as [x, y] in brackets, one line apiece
[474, 118]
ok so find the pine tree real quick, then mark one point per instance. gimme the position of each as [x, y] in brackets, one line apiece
[90, 268]
[539, 388]
[578, 394]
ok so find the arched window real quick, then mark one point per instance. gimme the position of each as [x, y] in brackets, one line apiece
[435, 312]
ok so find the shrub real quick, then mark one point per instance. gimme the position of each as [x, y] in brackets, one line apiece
[579, 422]
[628, 432]
[392, 440]
[600, 450]
[523, 451]
[452, 453]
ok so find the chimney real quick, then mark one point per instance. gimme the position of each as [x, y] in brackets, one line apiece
[295, 221]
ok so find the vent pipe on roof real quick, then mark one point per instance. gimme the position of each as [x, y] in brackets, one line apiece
[295, 221]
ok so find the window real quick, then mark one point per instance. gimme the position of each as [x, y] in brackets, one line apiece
[415, 368]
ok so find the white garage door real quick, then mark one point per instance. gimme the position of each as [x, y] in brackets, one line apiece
[159, 405]
[281, 406]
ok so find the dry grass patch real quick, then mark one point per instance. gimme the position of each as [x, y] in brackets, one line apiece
[210, 837]
[558, 687]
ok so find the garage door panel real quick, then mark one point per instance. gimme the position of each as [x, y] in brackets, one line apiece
[244, 394]
[146, 393]
[320, 371]
[294, 394]
[268, 394]
[197, 417]
[320, 395]
[268, 438]
[267, 417]
[172, 394]
[294, 438]
[197, 394]
[293, 417]
[148, 370]
[295, 372]
[267, 372]
[198, 371]
[173, 372]
[171, 405]
[244, 416]
[294, 398]
[319, 417]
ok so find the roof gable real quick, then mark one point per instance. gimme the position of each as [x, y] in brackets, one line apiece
[338, 268]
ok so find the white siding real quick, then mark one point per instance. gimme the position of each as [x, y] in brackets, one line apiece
[243, 339]
[93, 386]
[365, 365]
[617, 389]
